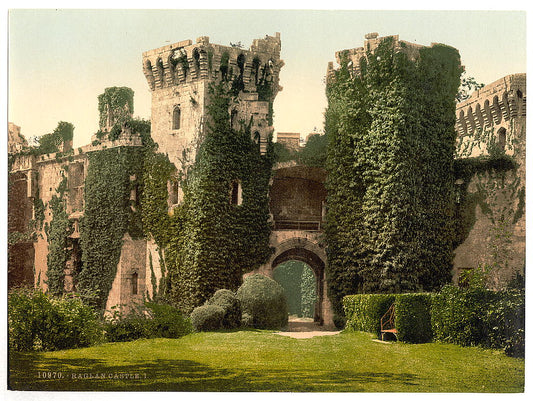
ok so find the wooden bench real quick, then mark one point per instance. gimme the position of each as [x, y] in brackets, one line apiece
[388, 323]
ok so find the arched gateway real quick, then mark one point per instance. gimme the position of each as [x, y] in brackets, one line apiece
[297, 199]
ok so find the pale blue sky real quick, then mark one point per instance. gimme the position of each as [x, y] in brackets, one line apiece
[60, 61]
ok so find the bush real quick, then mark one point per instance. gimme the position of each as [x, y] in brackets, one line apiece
[457, 315]
[148, 320]
[227, 300]
[207, 318]
[364, 311]
[38, 321]
[127, 326]
[167, 321]
[413, 317]
[506, 322]
[264, 300]
[476, 316]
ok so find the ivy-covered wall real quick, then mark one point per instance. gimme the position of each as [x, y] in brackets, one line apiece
[215, 240]
[110, 213]
[57, 232]
[390, 183]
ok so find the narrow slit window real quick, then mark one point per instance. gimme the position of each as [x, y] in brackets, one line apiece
[233, 119]
[502, 138]
[176, 118]
[236, 193]
[134, 283]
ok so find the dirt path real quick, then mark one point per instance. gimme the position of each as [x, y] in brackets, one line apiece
[305, 328]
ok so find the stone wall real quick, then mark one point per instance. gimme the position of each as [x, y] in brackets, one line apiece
[298, 196]
[129, 286]
[491, 122]
[357, 55]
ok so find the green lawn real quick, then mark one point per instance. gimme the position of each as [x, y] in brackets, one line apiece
[263, 361]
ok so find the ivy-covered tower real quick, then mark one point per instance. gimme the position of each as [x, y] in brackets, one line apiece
[212, 121]
[390, 122]
[179, 75]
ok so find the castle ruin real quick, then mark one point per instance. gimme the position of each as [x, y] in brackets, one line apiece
[178, 75]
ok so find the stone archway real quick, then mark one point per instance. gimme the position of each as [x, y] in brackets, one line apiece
[304, 248]
[317, 266]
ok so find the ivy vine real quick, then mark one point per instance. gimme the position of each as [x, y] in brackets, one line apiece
[109, 215]
[390, 183]
[59, 230]
[213, 242]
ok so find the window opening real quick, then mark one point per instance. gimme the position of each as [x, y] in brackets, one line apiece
[176, 118]
[502, 138]
[236, 193]
[134, 283]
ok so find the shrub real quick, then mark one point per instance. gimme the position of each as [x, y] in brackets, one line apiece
[364, 311]
[148, 320]
[247, 320]
[477, 316]
[167, 321]
[38, 321]
[457, 315]
[127, 326]
[264, 300]
[506, 322]
[413, 317]
[227, 300]
[207, 318]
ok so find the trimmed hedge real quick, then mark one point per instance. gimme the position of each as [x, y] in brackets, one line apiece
[364, 311]
[476, 316]
[465, 316]
[413, 317]
[207, 317]
[413, 322]
[263, 302]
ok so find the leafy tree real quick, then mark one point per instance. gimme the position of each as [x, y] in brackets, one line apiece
[313, 153]
[468, 85]
[50, 143]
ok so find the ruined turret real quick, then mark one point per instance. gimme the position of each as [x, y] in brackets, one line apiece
[179, 74]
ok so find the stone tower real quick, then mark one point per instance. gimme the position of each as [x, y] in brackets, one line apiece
[179, 76]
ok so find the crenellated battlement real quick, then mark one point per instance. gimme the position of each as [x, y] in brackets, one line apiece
[492, 105]
[179, 75]
[184, 62]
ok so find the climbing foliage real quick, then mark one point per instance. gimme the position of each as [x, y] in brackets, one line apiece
[50, 143]
[391, 142]
[58, 252]
[215, 239]
[109, 214]
[117, 99]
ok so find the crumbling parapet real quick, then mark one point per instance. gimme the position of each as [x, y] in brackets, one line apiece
[16, 141]
[356, 56]
[179, 76]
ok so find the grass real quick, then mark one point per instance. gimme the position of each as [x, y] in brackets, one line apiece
[263, 361]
